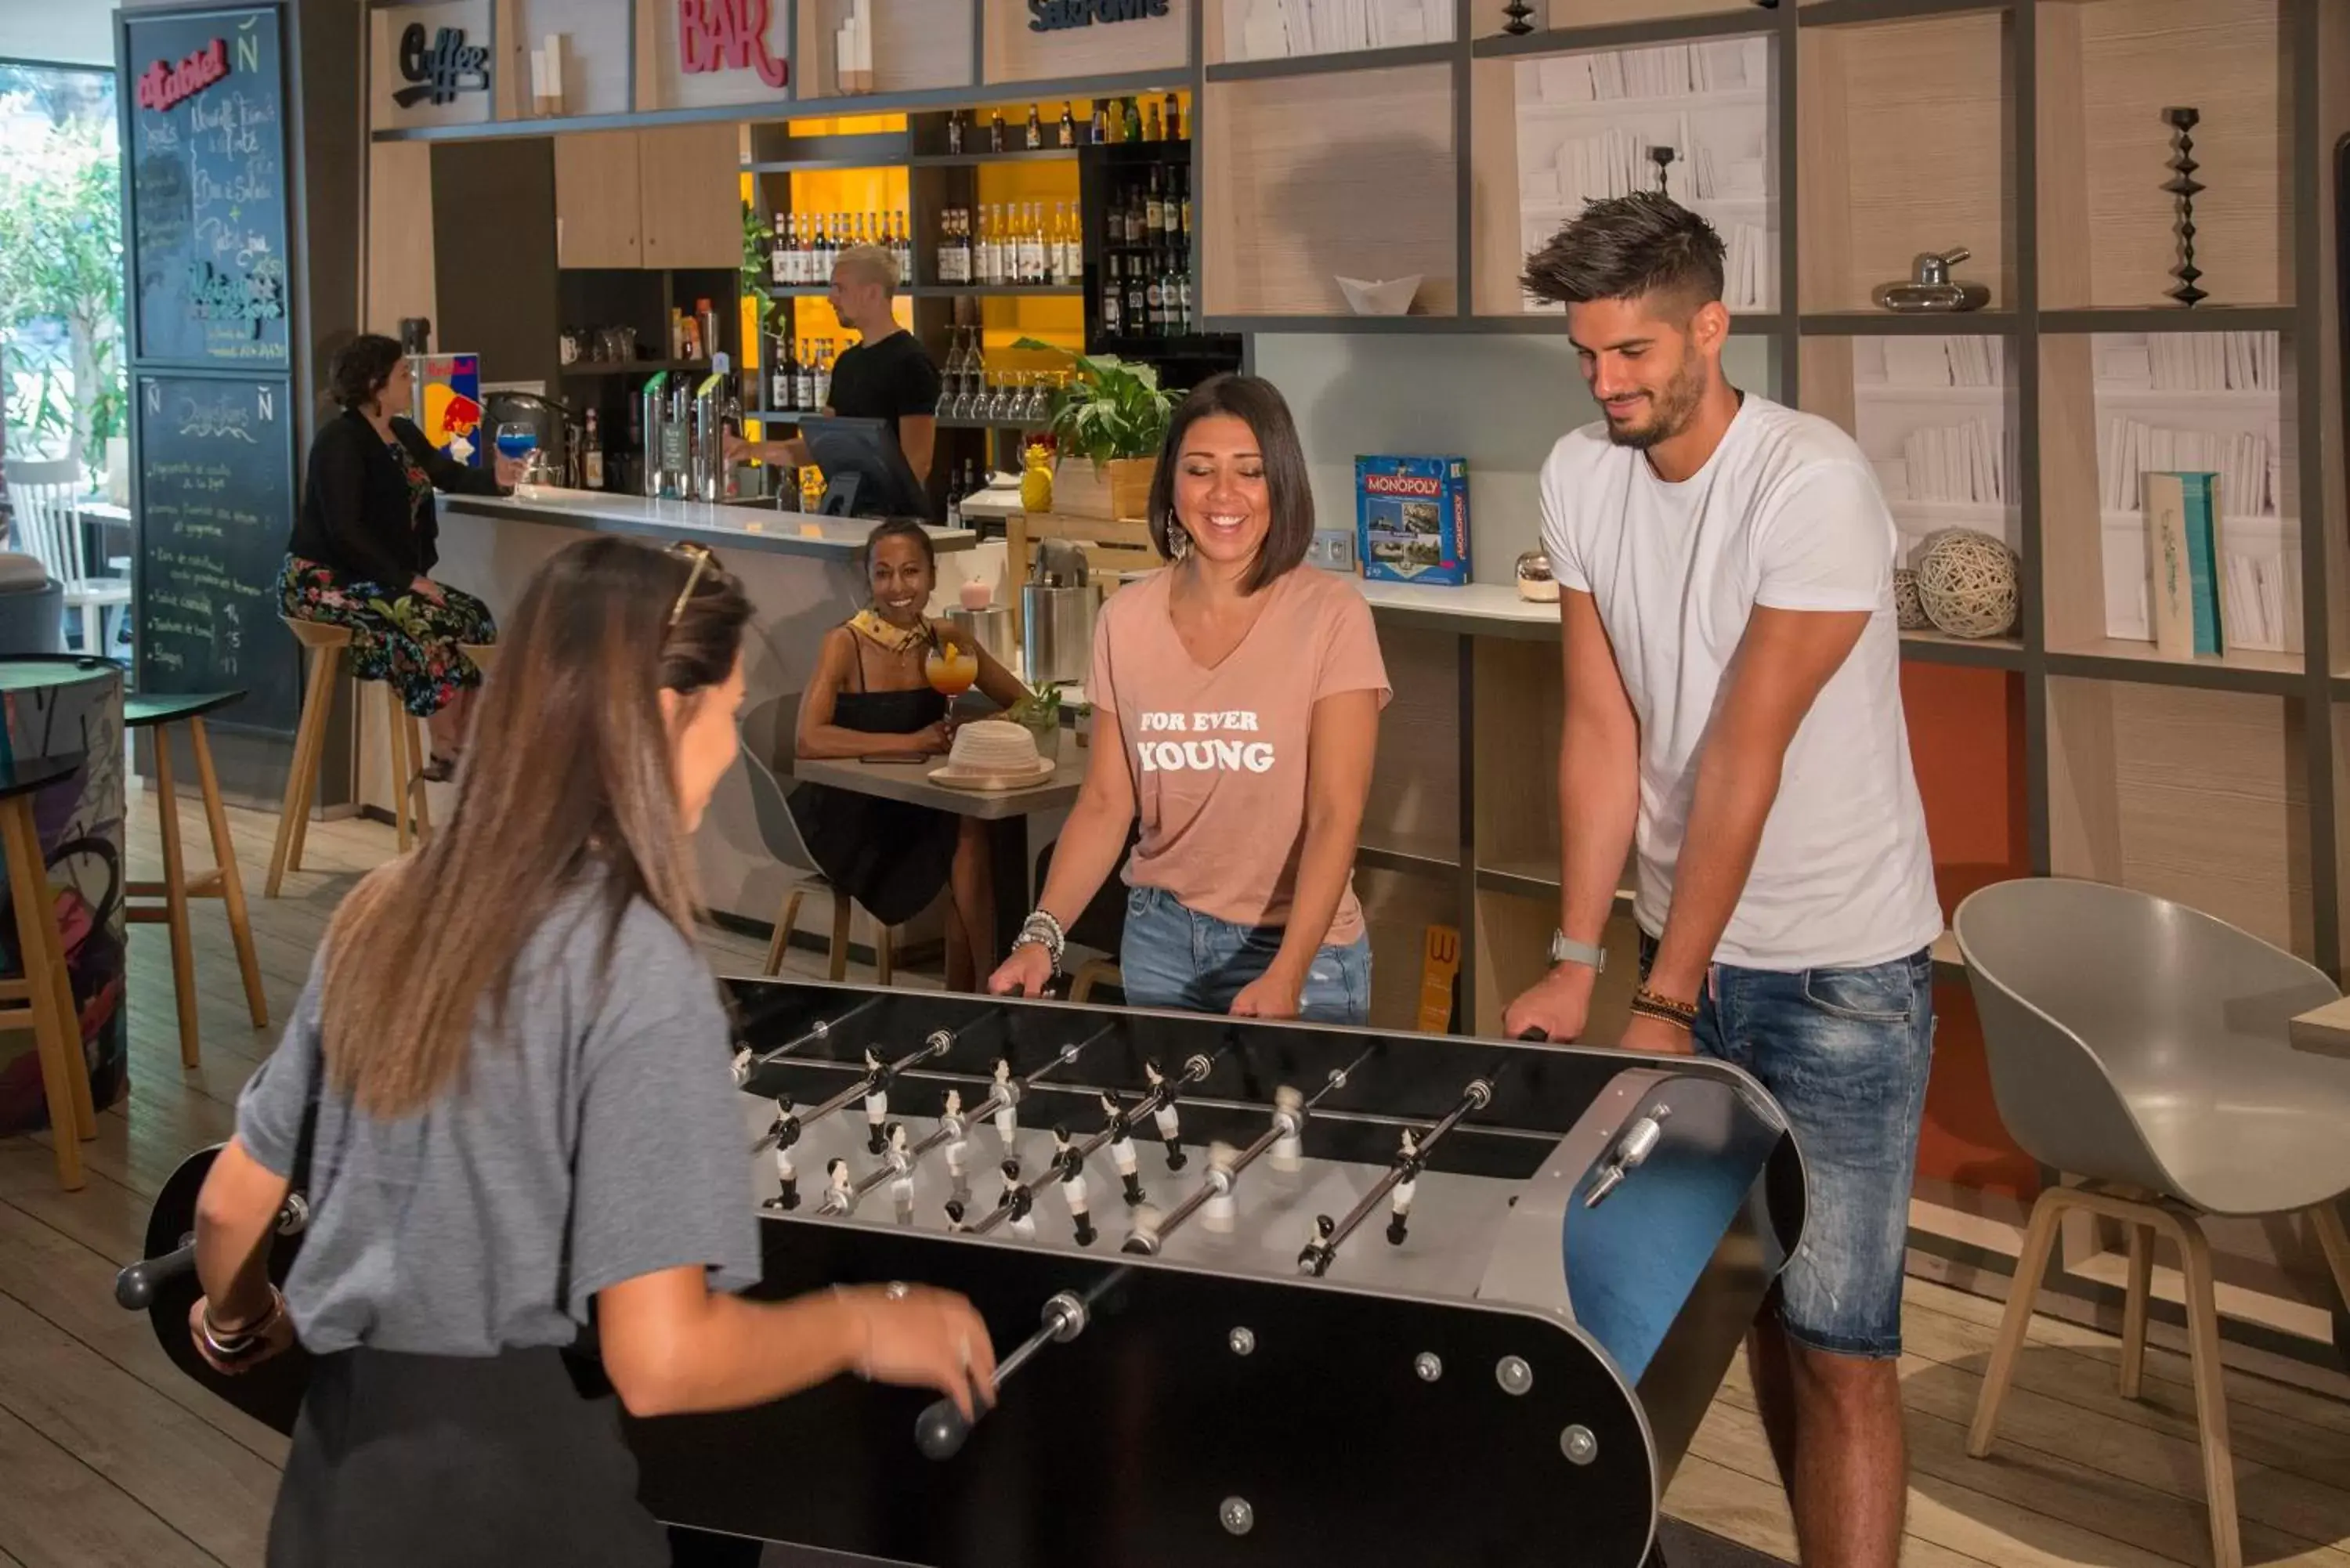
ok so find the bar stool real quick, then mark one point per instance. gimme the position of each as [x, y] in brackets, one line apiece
[325, 643]
[42, 994]
[160, 714]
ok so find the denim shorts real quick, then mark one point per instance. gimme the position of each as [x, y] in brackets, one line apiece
[1844, 1051]
[1176, 958]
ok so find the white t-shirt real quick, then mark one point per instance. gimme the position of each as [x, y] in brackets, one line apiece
[1785, 514]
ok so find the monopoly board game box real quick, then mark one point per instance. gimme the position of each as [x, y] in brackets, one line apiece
[1411, 519]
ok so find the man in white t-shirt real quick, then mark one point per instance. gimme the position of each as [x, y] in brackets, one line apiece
[1733, 717]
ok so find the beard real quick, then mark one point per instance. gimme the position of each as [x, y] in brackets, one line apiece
[1671, 407]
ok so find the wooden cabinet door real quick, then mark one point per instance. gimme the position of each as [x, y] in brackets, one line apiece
[598, 216]
[691, 177]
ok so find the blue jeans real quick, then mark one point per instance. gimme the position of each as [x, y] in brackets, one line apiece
[1844, 1051]
[1176, 958]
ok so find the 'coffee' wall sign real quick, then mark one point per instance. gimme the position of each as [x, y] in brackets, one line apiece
[727, 34]
[449, 67]
[1049, 15]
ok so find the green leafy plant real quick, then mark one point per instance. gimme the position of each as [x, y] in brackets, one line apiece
[1041, 709]
[61, 294]
[1113, 410]
[758, 237]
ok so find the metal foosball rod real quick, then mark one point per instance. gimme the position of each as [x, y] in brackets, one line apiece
[877, 1078]
[1316, 1258]
[1224, 1169]
[940, 1428]
[1007, 1093]
[745, 1059]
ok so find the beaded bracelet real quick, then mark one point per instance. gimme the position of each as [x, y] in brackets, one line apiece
[1041, 928]
[1649, 1004]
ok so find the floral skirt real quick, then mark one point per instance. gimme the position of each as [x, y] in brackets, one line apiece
[403, 639]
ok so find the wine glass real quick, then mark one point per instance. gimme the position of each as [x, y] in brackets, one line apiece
[950, 669]
[516, 441]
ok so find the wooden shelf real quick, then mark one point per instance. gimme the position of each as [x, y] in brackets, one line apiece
[1930, 647]
[582, 368]
[1009, 155]
[1278, 67]
[2170, 318]
[1631, 24]
[994, 290]
[2136, 663]
[1985, 323]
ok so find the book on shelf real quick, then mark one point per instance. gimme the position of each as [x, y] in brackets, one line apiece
[2190, 362]
[2245, 461]
[1670, 71]
[2185, 565]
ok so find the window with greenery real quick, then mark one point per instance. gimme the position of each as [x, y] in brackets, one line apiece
[61, 329]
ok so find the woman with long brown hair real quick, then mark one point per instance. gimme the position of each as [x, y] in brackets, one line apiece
[514, 1065]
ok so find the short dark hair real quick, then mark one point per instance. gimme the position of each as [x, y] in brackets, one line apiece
[1627, 247]
[901, 528]
[361, 369]
[1257, 403]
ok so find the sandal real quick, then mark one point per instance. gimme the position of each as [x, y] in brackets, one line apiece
[439, 770]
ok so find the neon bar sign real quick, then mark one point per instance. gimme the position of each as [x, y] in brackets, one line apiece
[727, 34]
[162, 85]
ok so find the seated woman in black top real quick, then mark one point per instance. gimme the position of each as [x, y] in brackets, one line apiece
[363, 545]
[870, 697]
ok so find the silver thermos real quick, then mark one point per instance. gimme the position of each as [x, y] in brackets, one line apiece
[1056, 616]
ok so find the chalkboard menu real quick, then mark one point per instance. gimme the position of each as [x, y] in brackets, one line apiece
[216, 504]
[208, 187]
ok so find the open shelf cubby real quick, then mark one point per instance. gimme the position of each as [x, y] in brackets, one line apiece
[1905, 137]
[1236, 31]
[1309, 179]
[2108, 71]
[917, 45]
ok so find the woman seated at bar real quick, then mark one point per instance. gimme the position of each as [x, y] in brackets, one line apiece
[1236, 702]
[881, 690]
[363, 547]
[510, 1066]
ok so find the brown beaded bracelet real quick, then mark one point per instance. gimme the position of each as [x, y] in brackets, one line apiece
[1670, 1009]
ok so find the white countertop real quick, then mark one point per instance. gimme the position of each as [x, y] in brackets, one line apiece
[1493, 607]
[755, 527]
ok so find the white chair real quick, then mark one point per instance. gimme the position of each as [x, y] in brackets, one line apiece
[767, 731]
[49, 527]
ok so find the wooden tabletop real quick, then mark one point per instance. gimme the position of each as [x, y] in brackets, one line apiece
[2325, 1030]
[911, 781]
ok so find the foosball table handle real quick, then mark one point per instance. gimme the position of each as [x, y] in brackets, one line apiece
[942, 1427]
[135, 1286]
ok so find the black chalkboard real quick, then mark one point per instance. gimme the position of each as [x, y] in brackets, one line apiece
[215, 499]
[205, 104]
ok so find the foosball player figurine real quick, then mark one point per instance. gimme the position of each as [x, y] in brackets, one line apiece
[840, 1196]
[1407, 1160]
[1121, 1146]
[1315, 1258]
[955, 1212]
[1170, 1126]
[741, 1065]
[1007, 1114]
[1071, 1171]
[1218, 1214]
[876, 1100]
[902, 1191]
[1019, 1199]
[784, 1134]
[1144, 1237]
[1289, 1149]
[958, 1146]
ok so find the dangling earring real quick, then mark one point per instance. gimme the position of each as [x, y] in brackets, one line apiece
[1179, 538]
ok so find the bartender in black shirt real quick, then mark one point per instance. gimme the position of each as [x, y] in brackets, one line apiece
[888, 376]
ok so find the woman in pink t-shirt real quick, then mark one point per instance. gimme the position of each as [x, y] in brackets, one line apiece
[1236, 707]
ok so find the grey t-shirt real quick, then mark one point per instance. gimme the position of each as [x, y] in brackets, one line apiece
[600, 1139]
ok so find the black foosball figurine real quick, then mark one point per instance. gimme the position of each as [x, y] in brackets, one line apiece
[1121, 1146]
[1407, 1161]
[876, 1100]
[783, 1135]
[1315, 1257]
[1071, 1170]
[1018, 1199]
[1170, 1126]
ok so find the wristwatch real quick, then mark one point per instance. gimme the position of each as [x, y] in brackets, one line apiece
[1564, 951]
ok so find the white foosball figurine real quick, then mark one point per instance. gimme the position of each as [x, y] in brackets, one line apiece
[1007, 1115]
[1170, 1126]
[1218, 1214]
[1121, 1147]
[958, 1146]
[877, 1101]
[1072, 1172]
[743, 1066]
[1407, 1157]
[838, 1195]
[1289, 1149]
[901, 1189]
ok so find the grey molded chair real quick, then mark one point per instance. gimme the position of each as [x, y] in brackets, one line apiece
[2142, 1046]
[766, 730]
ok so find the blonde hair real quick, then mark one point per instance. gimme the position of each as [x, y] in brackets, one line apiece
[569, 784]
[875, 264]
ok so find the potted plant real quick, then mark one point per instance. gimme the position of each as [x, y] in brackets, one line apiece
[1115, 414]
[1039, 714]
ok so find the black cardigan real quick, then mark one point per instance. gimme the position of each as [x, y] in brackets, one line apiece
[354, 514]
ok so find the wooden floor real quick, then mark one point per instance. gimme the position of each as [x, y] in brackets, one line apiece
[109, 1456]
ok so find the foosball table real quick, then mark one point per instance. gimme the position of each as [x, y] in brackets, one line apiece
[1261, 1292]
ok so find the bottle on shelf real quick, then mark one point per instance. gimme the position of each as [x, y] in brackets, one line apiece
[1137, 299]
[1036, 132]
[1150, 125]
[1154, 210]
[1068, 128]
[1113, 299]
[779, 252]
[1174, 118]
[1039, 272]
[1132, 130]
[591, 456]
[995, 130]
[803, 380]
[1101, 122]
[783, 387]
[1154, 296]
[954, 130]
[823, 375]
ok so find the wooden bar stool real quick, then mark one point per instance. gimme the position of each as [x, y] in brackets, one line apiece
[43, 996]
[159, 714]
[325, 642]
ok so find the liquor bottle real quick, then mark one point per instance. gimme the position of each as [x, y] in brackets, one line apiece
[1154, 211]
[783, 376]
[991, 245]
[1151, 125]
[1190, 322]
[823, 374]
[1137, 299]
[804, 379]
[1036, 129]
[1113, 300]
[591, 456]
[1038, 272]
[1174, 118]
[1101, 122]
[1183, 184]
[1132, 130]
[1069, 133]
[779, 253]
[954, 130]
[1154, 293]
[995, 130]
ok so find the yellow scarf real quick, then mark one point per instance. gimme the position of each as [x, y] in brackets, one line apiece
[869, 624]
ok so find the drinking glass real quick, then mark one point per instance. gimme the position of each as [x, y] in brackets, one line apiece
[950, 669]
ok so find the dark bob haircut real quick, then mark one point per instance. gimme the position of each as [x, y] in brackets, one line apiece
[1258, 404]
[361, 369]
[1629, 247]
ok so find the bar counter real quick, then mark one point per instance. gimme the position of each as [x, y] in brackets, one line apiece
[739, 525]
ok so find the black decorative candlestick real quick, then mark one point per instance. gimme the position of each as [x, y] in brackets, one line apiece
[2184, 186]
[1517, 26]
[1663, 158]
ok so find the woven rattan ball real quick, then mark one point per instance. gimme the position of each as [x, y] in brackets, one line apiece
[1966, 581]
[1906, 605]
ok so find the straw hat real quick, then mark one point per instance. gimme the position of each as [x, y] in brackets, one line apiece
[993, 754]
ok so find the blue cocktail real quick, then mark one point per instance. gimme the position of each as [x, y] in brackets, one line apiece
[516, 441]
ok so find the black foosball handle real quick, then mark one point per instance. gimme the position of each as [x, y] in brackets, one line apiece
[135, 1286]
[942, 1427]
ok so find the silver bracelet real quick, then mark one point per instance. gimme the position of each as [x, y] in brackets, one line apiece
[1043, 930]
